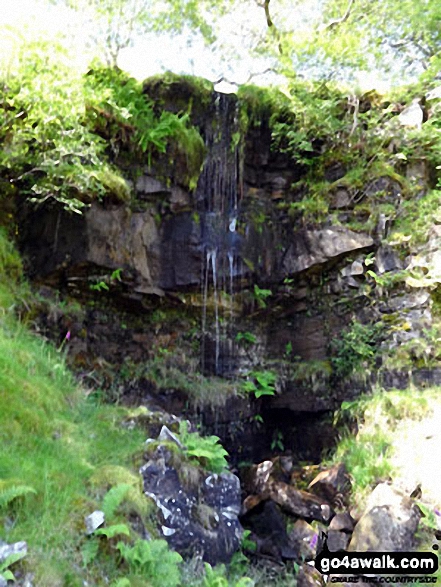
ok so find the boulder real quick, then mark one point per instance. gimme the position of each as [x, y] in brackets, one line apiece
[300, 503]
[342, 522]
[308, 576]
[389, 522]
[387, 260]
[197, 511]
[94, 521]
[304, 540]
[331, 483]
[337, 540]
[18, 548]
[311, 248]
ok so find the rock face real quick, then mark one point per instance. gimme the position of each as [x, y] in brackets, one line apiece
[314, 248]
[389, 523]
[198, 512]
[231, 277]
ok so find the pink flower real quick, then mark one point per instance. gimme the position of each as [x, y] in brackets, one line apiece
[67, 337]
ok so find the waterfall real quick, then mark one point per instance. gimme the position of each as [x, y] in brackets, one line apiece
[218, 198]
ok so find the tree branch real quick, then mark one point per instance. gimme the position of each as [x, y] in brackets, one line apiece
[341, 20]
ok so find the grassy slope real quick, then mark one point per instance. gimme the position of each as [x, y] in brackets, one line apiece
[52, 439]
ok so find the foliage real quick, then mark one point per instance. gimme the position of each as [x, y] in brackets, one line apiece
[356, 348]
[5, 572]
[119, 109]
[54, 123]
[261, 295]
[368, 454]
[153, 560]
[48, 152]
[216, 577]
[113, 499]
[116, 23]
[206, 450]
[247, 337]
[9, 492]
[261, 383]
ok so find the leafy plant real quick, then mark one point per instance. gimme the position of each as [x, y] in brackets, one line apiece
[113, 499]
[277, 441]
[10, 492]
[153, 560]
[247, 337]
[113, 530]
[261, 295]
[356, 348]
[5, 572]
[207, 450]
[261, 383]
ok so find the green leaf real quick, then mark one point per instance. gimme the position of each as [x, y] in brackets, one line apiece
[112, 531]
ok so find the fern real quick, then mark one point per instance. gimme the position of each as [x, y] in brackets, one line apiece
[9, 494]
[154, 561]
[6, 573]
[113, 499]
[205, 449]
[112, 531]
[89, 551]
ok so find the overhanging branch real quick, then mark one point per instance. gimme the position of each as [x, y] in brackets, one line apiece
[333, 23]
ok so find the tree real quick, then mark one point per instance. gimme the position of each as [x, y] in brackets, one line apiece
[116, 23]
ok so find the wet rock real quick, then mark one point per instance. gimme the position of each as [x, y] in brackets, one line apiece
[355, 268]
[167, 435]
[341, 200]
[18, 548]
[308, 576]
[304, 540]
[316, 247]
[300, 503]
[337, 540]
[387, 260]
[342, 522]
[268, 525]
[257, 477]
[331, 483]
[197, 511]
[388, 524]
[94, 521]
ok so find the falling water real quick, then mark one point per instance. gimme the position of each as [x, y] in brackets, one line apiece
[218, 197]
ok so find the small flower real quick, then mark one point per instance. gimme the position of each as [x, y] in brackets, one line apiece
[313, 541]
[437, 512]
[67, 337]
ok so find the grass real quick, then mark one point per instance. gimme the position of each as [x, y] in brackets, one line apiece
[383, 421]
[55, 439]
[63, 455]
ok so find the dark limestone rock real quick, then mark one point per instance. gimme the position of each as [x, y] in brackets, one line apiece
[342, 522]
[331, 483]
[387, 260]
[198, 513]
[388, 524]
[268, 525]
[304, 540]
[309, 576]
[337, 540]
[300, 503]
[311, 248]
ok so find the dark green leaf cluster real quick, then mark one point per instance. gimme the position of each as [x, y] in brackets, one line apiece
[356, 347]
[56, 127]
[207, 450]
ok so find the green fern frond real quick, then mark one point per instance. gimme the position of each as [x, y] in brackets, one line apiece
[113, 499]
[8, 493]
